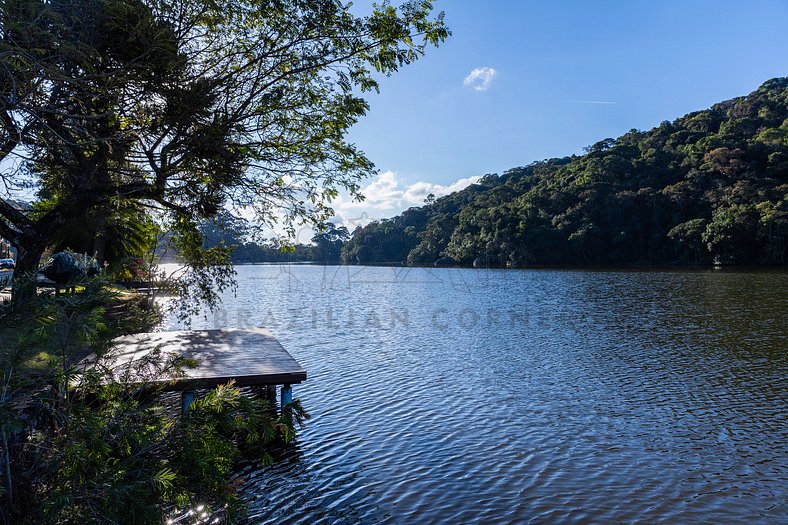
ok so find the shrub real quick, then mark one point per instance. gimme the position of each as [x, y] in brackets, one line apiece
[78, 448]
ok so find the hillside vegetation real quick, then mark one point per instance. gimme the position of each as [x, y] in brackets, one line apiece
[710, 187]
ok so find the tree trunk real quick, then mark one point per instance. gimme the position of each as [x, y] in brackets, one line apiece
[27, 263]
[28, 259]
[100, 240]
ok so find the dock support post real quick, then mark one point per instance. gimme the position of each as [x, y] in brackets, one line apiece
[187, 398]
[287, 396]
[270, 395]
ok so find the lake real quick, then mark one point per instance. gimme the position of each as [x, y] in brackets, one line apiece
[524, 396]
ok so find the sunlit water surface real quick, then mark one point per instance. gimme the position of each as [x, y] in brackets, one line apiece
[524, 396]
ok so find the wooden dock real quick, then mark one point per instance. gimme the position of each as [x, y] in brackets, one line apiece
[251, 357]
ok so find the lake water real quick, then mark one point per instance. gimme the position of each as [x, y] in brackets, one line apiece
[525, 396]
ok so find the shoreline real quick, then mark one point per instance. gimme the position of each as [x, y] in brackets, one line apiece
[580, 268]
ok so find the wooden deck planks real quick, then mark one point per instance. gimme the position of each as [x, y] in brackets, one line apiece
[249, 356]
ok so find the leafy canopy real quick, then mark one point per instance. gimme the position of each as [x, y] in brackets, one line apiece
[189, 106]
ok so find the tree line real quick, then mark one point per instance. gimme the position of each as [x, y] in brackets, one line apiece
[708, 188]
[242, 238]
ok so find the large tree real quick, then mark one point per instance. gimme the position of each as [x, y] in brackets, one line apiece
[188, 106]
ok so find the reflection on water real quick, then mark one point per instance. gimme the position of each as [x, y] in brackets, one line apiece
[482, 396]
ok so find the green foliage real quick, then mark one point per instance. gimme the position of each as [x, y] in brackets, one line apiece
[328, 242]
[688, 237]
[185, 107]
[710, 186]
[731, 234]
[120, 230]
[42, 338]
[78, 448]
[389, 241]
[123, 459]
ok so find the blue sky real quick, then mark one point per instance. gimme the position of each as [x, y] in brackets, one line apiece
[566, 74]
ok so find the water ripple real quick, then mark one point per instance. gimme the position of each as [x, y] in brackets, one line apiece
[466, 396]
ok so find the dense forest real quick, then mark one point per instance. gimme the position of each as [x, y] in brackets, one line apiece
[710, 187]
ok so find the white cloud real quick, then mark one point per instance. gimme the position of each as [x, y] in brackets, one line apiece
[387, 196]
[382, 193]
[417, 192]
[480, 78]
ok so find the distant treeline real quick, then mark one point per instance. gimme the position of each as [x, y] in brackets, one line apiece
[710, 187]
[235, 232]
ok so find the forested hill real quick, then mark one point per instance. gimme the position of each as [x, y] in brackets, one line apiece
[709, 187]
